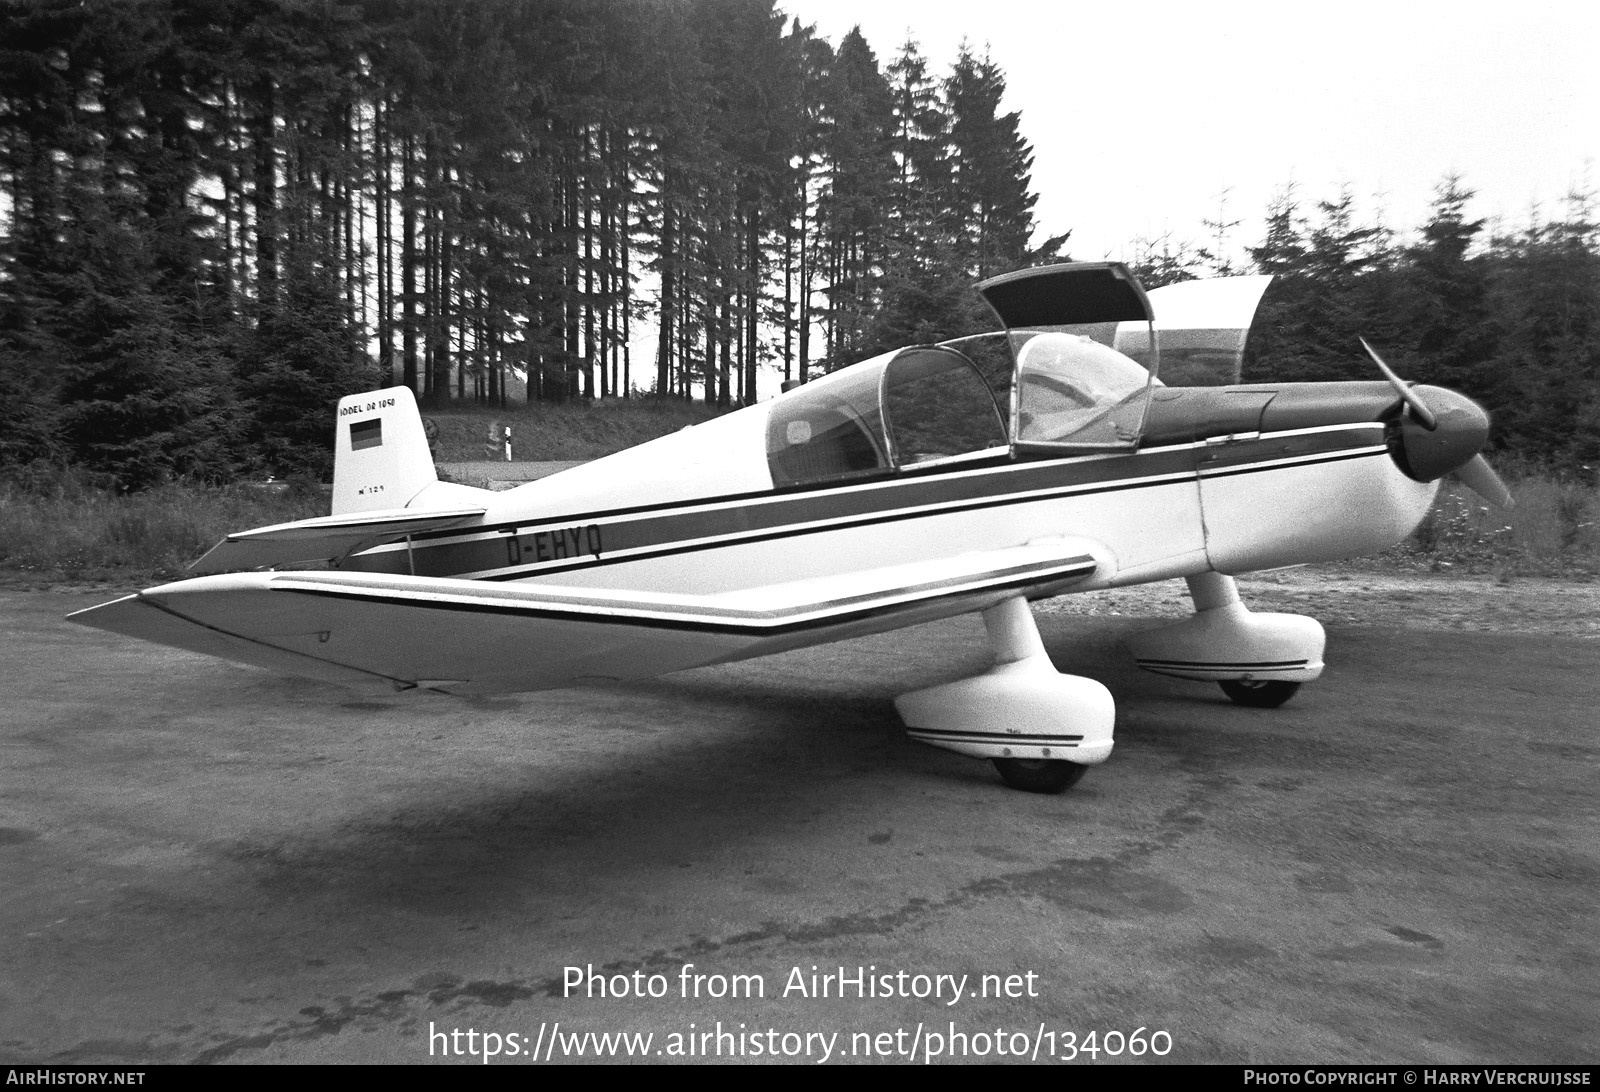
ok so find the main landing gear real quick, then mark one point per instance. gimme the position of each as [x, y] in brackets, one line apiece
[1259, 660]
[1042, 729]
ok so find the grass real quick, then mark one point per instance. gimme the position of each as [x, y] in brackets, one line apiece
[57, 527]
[1553, 529]
[564, 432]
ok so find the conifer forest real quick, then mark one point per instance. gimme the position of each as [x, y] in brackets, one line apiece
[218, 216]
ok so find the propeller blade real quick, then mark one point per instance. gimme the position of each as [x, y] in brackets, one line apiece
[1477, 475]
[1419, 408]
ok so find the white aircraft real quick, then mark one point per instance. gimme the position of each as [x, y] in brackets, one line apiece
[932, 481]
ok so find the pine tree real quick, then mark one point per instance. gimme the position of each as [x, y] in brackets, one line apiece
[1544, 292]
[141, 399]
[113, 314]
[301, 359]
[1326, 290]
[468, 188]
[992, 168]
[1447, 306]
[857, 151]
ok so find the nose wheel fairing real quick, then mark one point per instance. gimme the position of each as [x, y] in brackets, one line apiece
[1223, 640]
[1260, 660]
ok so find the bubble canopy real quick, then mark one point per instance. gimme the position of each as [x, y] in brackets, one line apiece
[916, 407]
[1083, 338]
[1049, 387]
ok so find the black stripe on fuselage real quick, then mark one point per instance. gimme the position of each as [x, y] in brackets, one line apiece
[624, 535]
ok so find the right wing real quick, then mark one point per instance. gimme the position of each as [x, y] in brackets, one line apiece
[486, 636]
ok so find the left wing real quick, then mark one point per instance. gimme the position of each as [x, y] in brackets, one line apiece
[368, 628]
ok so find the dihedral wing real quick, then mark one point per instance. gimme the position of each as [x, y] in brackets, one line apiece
[970, 476]
[468, 635]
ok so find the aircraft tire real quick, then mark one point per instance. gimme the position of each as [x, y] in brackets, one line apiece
[1258, 693]
[1044, 775]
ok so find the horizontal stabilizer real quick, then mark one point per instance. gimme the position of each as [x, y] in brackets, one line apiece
[494, 636]
[325, 538]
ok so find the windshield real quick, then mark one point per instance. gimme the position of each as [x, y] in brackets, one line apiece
[1083, 386]
[1072, 390]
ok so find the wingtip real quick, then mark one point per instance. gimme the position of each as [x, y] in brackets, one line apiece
[82, 617]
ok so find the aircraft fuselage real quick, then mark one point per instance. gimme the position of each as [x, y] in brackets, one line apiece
[1228, 480]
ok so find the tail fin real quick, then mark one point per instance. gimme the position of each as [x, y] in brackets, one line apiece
[380, 452]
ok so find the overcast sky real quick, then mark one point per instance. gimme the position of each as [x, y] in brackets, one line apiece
[1141, 115]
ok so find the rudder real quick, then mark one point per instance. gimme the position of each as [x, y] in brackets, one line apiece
[380, 451]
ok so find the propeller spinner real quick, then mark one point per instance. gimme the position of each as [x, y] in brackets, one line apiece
[1443, 434]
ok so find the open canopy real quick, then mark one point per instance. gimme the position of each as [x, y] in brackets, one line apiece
[1083, 339]
[1069, 294]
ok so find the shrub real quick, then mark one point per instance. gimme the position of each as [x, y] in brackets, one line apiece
[1553, 527]
[61, 525]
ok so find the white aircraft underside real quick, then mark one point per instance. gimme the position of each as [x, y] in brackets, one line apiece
[884, 495]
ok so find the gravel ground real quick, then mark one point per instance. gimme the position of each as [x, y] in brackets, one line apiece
[1352, 595]
[205, 863]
